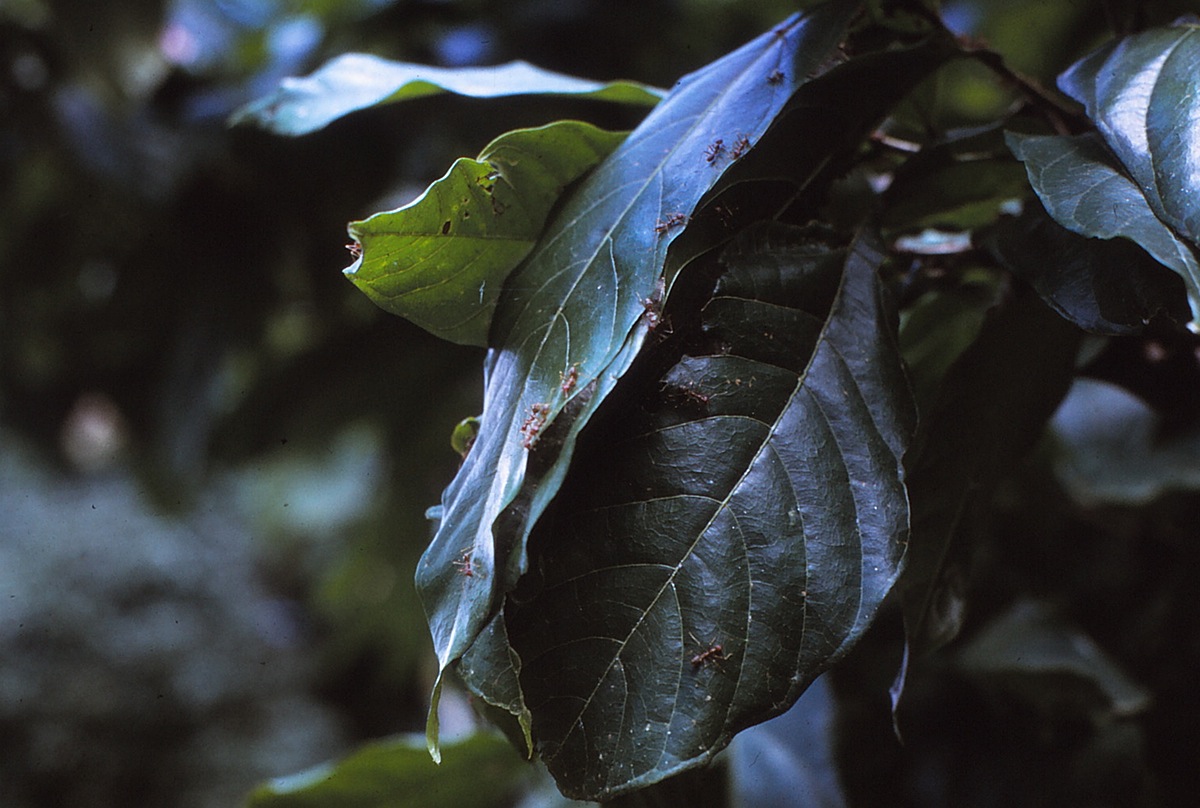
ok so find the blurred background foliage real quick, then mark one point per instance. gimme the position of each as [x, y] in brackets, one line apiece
[215, 454]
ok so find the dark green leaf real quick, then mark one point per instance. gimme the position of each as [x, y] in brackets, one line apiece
[1106, 287]
[1111, 448]
[440, 261]
[1030, 641]
[697, 573]
[790, 760]
[961, 184]
[1141, 94]
[816, 129]
[355, 81]
[565, 328]
[1087, 191]
[993, 405]
[394, 773]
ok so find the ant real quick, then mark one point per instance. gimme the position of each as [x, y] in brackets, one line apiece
[533, 424]
[355, 249]
[463, 564]
[776, 77]
[714, 150]
[715, 653]
[569, 380]
[674, 220]
[740, 147]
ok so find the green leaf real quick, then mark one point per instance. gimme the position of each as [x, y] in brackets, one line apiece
[1106, 287]
[790, 759]
[441, 260]
[961, 184]
[815, 129]
[992, 406]
[1141, 94]
[1087, 191]
[734, 537]
[355, 81]
[565, 328]
[1113, 448]
[394, 773]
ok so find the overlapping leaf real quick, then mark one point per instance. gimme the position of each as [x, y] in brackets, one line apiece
[356, 81]
[1141, 182]
[569, 310]
[699, 571]
[441, 260]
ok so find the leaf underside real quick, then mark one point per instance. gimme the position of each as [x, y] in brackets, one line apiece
[358, 81]
[695, 577]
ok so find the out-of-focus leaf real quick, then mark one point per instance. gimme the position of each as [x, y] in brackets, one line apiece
[993, 404]
[1111, 450]
[565, 329]
[789, 761]
[441, 260]
[1086, 191]
[699, 571]
[355, 81]
[939, 326]
[484, 771]
[960, 184]
[1106, 287]
[1029, 640]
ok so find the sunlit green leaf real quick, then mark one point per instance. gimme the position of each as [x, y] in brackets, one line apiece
[355, 81]
[395, 773]
[440, 261]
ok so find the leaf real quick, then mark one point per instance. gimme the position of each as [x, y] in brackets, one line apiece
[397, 772]
[1106, 287]
[1141, 94]
[441, 260]
[1111, 448]
[703, 566]
[1086, 191]
[815, 129]
[790, 760]
[565, 328]
[356, 81]
[960, 184]
[1031, 641]
[993, 404]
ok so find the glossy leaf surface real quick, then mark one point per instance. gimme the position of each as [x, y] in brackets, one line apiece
[356, 81]
[441, 260]
[1106, 287]
[1138, 178]
[568, 311]
[705, 566]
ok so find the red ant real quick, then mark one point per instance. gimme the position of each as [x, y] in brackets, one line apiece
[775, 78]
[355, 249]
[463, 564]
[569, 380]
[715, 653]
[674, 220]
[533, 424]
[714, 150]
[740, 148]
